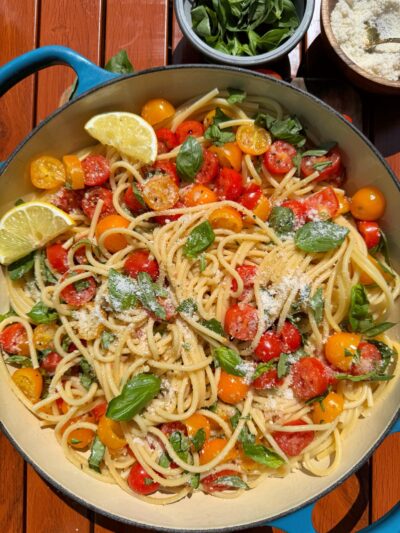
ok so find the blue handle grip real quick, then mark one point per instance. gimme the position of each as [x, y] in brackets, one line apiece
[301, 520]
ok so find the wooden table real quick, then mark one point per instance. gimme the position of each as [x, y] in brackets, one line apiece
[148, 31]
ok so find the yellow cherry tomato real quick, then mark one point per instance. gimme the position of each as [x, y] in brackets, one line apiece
[368, 203]
[212, 448]
[43, 336]
[252, 139]
[199, 195]
[263, 208]
[110, 433]
[30, 382]
[231, 389]
[328, 409]
[160, 192]
[116, 241]
[344, 204]
[340, 347]
[47, 172]
[80, 438]
[156, 110]
[209, 119]
[366, 279]
[229, 155]
[226, 218]
[196, 422]
[75, 177]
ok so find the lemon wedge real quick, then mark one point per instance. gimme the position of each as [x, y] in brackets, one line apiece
[128, 133]
[28, 227]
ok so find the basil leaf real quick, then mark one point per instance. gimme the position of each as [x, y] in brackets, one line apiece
[283, 365]
[321, 150]
[229, 360]
[382, 247]
[81, 285]
[234, 482]
[288, 129]
[187, 307]
[316, 302]
[218, 137]
[9, 313]
[19, 361]
[19, 268]
[75, 441]
[136, 394]
[321, 165]
[45, 270]
[244, 435]
[88, 375]
[97, 452]
[41, 314]
[320, 236]
[19, 201]
[374, 331]
[121, 290]
[236, 96]
[388, 354]
[199, 439]
[194, 481]
[264, 367]
[318, 399]
[189, 159]
[147, 292]
[220, 117]
[214, 325]
[119, 63]
[370, 376]
[164, 460]
[107, 338]
[199, 239]
[359, 316]
[203, 262]
[180, 444]
[281, 219]
[263, 455]
[138, 195]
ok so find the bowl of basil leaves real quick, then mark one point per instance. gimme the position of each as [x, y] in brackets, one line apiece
[244, 32]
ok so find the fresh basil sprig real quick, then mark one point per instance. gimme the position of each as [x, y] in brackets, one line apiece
[288, 129]
[360, 318]
[199, 239]
[229, 360]
[97, 452]
[320, 236]
[218, 137]
[189, 159]
[263, 455]
[22, 266]
[236, 96]
[281, 219]
[41, 314]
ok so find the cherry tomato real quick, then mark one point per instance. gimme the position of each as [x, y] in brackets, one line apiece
[196, 422]
[262, 209]
[229, 184]
[115, 241]
[14, 339]
[251, 196]
[91, 199]
[97, 170]
[231, 389]
[131, 200]
[43, 336]
[50, 362]
[291, 337]
[160, 193]
[212, 483]
[30, 382]
[208, 120]
[75, 176]
[299, 210]
[269, 347]
[171, 427]
[369, 359]
[279, 158]
[166, 219]
[248, 274]
[80, 256]
[226, 218]
[329, 172]
[47, 172]
[99, 410]
[209, 169]
[212, 448]
[293, 444]
[189, 127]
[197, 194]
[156, 110]
[310, 378]
[368, 204]
[343, 201]
[166, 168]
[168, 137]
[268, 380]
[66, 200]
[141, 261]
[110, 433]
[57, 256]
[269, 72]
[370, 232]
[81, 438]
[229, 155]
[252, 139]
[328, 409]
[322, 205]
[77, 298]
[241, 321]
[339, 349]
[161, 148]
[347, 117]
[140, 482]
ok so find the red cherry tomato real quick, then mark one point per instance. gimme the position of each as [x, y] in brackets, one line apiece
[75, 297]
[293, 444]
[241, 321]
[166, 168]
[80, 255]
[170, 427]
[168, 138]
[189, 127]
[248, 274]
[268, 380]
[132, 202]
[209, 169]
[323, 204]
[370, 358]
[57, 257]
[251, 196]
[161, 148]
[310, 378]
[99, 410]
[166, 219]
[299, 210]
[14, 339]
[269, 72]
[97, 170]
[91, 199]
[140, 482]
[269, 347]
[140, 261]
[347, 117]
[211, 483]
[291, 337]
[229, 184]
[279, 158]
[50, 362]
[67, 200]
[370, 232]
[329, 172]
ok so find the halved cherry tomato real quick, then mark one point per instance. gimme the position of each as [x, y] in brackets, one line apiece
[132, 202]
[189, 127]
[268, 380]
[140, 482]
[96, 169]
[369, 359]
[66, 199]
[50, 362]
[161, 148]
[167, 137]
[115, 241]
[368, 204]
[141, 261]
[340, 349]
[75, 176]
[166, 219]
[209, 169]
[81, 438]
[241, 321]
[269, 72]
[170, 427]
[310, 378]
[110, 433]
[156, 110]
[293, 444]
[196, 422]
[279, 158]
[248, 274]
[330, 171]
[91, 199]
[299, 210]
[370, 232]
[229, 155]
[291, 337]
[269, 347]
[229, 184]
[80, 256]
[198, 194]
[262, 209]
[77, 298]
[47, 172]
[43, 336]
[344, 203]
[14, 339]
[165, 168]
[251, 196]
[231, 389]
[328, 409]
[215, 482]
[226, 218]
[99, 410]
[57, 256]
[160, 193]
[252, 139]
[209, 118]
[322, 205]
[30, 382]
[212, 448]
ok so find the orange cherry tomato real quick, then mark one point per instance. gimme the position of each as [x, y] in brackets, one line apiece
[328, 409]
[366, 279]
[226, 218]
[344, 203]
[199, 195]
[212, 448]
[110, 433]
[339, 349]
[263, 208]
[47, 172]
[229, 155]
[30, 382]
[75, 177]
[196, 422]
[80, 438]
[14, 339]
[62, 406]
[116, 241]
[368, 203]
[252, 139]
[188, 128]
[231, 389]
[156, 110]
[209, 118]
[160, 193]
[43, 336]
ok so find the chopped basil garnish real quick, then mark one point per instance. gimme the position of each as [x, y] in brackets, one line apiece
[283, 365]
[121, 291]
[107, 338]
[187, 307]
[316, 303]
[96, 454]
[41, 314]
[321, 150]
[88, 375]
[218, 137]
[138, 195]
[263, 455]
[232, 482]
[360, 318]
[180, 444]
[19, 361]
[199, 439]
[322, 165]
[19, 268]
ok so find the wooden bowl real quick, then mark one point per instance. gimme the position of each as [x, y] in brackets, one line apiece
[362, 78]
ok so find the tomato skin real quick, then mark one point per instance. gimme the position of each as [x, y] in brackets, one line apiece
[229, 184]
[231, 389]
[323, 204]
[251, 196]
[47, 172]
[268, 380]
[328, 409]
[229, 155]
[50, 362]
[299, 210]
[140, 482]
[293, 444]
[156, 110]
[252, 139]
[14, 339]
[160, 193]
[57, 256]
[140, 261]
[97, 170]
[226, 217]
[116, 241]
[336, 347]
[43, 336]
[196, 422]
[210, 483]
[166, 219]
[279, 158]
[187, 128]
[66, 199]
[110, 433]
[269, 347]
[329, 172]
[212, 447]
[269, 72]
[30, 382]
[168, 137]
[370, 358]
[310, 378]
[170, 427]
[131, 202]
[198, 194]
[347, 117]
[370, 232]
[78, 298]
[209, 169]
[248, 274]
[99, 410]
[91, 199]
[167, 168]
[291, 337]
[241, 321]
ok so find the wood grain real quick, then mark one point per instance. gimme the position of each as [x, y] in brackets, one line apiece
[11, 488]
[386, 476]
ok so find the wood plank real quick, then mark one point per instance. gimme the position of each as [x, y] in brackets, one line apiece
[11, 488]
[385, 476]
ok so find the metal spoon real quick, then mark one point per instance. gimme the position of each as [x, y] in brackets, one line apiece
[374, 39]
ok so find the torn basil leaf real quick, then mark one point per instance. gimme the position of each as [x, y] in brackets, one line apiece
[320, 236]
[229, 360]
[97, 452]
[22, 266]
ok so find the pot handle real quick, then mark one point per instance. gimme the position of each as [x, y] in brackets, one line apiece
[301, 520]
